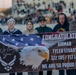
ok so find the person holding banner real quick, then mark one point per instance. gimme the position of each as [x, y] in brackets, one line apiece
[62, 26]
[43, 29]
[11, 30]
[30, 30]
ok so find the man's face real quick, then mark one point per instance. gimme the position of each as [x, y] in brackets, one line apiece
[61, 19]
[42, 23]
[11, 25]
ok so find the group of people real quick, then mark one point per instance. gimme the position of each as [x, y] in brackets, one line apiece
[62, 26]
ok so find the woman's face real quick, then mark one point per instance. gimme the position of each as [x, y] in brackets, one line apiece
[62, 19]
[29, 26]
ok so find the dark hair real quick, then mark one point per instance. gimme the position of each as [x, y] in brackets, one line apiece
[29, 21]
[66, 19]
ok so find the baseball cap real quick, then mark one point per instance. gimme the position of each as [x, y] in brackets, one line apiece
[41, 18]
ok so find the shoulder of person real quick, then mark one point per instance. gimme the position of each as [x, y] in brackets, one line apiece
[24, 32]
[18, 30]
[37, 27]
[56, 27]
[5, 32]
[35, 31]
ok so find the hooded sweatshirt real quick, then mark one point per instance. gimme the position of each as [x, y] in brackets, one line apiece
[60, 27]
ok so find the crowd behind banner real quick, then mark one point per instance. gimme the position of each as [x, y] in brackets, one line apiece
[27, 11]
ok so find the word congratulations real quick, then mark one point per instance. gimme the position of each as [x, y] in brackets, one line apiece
[61, 36]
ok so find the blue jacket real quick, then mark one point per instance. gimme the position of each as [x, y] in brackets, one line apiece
[16, 31]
